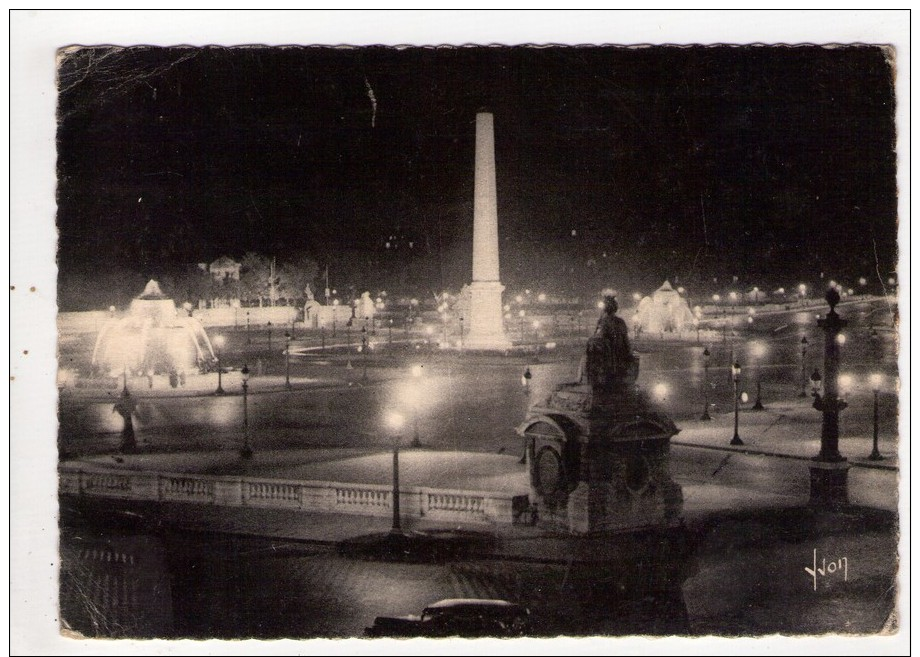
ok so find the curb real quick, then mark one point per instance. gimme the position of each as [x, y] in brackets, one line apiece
[759, 452]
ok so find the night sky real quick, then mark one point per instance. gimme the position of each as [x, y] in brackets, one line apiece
[766, 163]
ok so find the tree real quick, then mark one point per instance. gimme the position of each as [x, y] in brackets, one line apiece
[255, 277]
[295, 276]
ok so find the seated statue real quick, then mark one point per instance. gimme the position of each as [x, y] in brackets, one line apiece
[609, 361]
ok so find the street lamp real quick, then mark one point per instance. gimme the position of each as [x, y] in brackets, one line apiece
[395, 420]
[287, 361]
[219, 342]
[804, 375]
[736, 378]
[248, 339]
[246, 451]
[417, 371]
[461, 333]
[758, 349]
[269, 337]
[364, 352]
[521, 314]
[706, 355]
[815, 383]
[876, 380]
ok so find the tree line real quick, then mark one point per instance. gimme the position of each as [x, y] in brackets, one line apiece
[263, 281]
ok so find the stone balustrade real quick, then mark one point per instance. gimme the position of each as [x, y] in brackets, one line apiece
[442, 505]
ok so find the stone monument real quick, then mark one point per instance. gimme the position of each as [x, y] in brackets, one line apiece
[486, 325]
[598, 454]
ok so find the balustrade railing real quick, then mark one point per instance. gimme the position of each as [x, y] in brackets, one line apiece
[311, 496]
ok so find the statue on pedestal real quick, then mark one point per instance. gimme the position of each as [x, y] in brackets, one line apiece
[597, 448]
[609, 361]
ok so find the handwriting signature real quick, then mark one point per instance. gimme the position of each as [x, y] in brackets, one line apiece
[826, 568]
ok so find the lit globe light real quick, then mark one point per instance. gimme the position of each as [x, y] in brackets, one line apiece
[876, 380]
[862, 280]
[758, 349]
[891, 280]
[661, 390]
[849, 291]
[802, 288]
[395, 420]
[751, 311]
[781, 290]
[698, 311]
[841, 339]
[832, 284]
[744, 398]
[541, 297]
[519, 299]
[429, 329]
[637, 296]
[733, 296]
[526, 291]
[600, 305]
[845, 381]
[414, 302]
[680, 290]
[716, 298]
[507, 307]
[536, 323]
[417, 371]
[521, 313]
[219, 340]
[335, 302]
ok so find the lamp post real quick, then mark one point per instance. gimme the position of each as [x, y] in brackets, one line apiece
[390, 331]
[705, 415]
[461, 333]
[736, 378]
[269, 337]
[522, 313]
[417, 372]
[248, 338]
[829, 468]
[804, 375]
[125, 407]
[876, 380]
[396, 422]
[246, 451]
[219, 342]
[364, 353]
[287, 361]
[758, 350]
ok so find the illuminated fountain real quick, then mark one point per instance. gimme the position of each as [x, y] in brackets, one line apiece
[153, 336]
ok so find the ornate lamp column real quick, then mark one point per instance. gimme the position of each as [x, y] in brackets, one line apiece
[706, 355]
[829, 468]
[246, 451]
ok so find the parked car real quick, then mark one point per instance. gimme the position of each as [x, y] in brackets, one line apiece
[462, 617]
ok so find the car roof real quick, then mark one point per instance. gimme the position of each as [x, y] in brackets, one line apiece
[471, 602]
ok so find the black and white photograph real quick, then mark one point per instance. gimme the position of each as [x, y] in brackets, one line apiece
[433, 339]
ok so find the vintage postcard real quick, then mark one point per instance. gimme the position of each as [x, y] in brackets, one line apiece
[476, 340]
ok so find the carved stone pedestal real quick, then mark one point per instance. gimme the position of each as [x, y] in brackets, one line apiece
[599, 461]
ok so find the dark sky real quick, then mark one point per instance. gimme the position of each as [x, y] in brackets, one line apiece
[767, 163]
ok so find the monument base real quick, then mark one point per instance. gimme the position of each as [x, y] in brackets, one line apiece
[486, 323]
[829, 483]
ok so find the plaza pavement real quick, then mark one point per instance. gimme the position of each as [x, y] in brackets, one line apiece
[788, 431]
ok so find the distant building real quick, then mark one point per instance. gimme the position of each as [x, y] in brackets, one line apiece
[664, 311]
[225, 268]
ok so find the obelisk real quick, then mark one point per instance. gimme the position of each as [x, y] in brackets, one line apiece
[486, 328]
